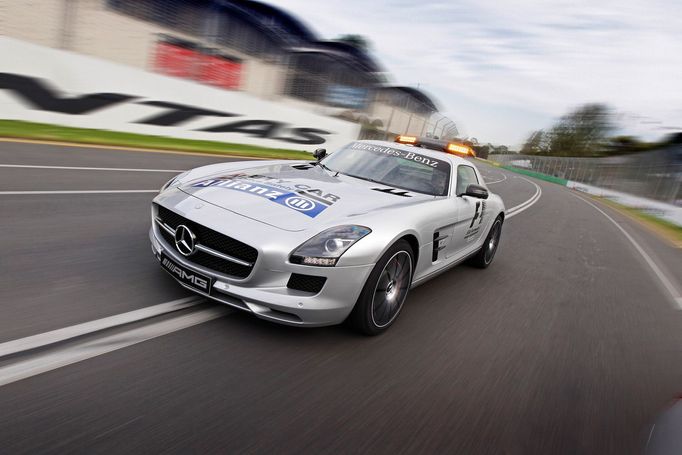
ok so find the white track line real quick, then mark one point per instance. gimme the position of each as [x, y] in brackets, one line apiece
[78, 192]
[56, 336]
[81, 168]
[77, 352]
[497, 181]
[92, 348]
[674, 294]
[527, 204]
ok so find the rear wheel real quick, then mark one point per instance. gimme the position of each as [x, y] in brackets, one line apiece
[485, 255]
[385, 291]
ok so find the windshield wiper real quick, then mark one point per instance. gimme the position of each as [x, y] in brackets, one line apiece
[323, 166]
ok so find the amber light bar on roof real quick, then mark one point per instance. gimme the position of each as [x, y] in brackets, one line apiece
[406, 139]
[460, 149]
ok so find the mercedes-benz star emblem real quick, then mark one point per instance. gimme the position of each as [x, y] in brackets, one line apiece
[185, 241]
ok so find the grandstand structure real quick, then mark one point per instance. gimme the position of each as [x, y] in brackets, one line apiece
[241, 45]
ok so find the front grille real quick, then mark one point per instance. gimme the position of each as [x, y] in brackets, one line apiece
[211, 239]
[306, 283]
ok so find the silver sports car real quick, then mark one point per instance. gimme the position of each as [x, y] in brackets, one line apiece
[316, 243]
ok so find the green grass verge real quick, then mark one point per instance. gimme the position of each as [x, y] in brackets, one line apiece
[43, 131]
[537, 175]
[670, 230]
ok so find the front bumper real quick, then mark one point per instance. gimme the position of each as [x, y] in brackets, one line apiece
[275, 301]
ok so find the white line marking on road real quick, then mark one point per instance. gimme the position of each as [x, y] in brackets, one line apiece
[674, 294]
[78, 192]
[497, 181]
[527, 204]
[81, 168]
[56, 336]
[78, 352]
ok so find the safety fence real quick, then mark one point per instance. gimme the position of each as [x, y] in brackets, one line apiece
[655, 175]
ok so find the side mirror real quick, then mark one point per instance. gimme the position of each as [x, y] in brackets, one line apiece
[319, 154]
[476, 191]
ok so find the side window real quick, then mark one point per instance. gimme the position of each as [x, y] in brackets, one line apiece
[465, 176]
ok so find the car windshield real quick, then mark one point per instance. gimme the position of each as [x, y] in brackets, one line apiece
[408, 170]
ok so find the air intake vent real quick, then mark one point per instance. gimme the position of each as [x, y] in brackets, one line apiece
[306, 283]
[214, 240]
[302, 167]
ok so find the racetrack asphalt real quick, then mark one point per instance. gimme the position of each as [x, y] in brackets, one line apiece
[567, 344]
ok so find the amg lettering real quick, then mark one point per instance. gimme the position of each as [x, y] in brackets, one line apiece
[184, 275]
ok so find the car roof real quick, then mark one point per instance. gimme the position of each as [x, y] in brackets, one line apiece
[454, 160]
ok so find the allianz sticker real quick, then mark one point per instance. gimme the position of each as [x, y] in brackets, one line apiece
[299, 197]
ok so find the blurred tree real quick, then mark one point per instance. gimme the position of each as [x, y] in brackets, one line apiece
[582, 132]
[675, 138]
[625, 144]
[535, 144]
[358, 41]
[482, 151]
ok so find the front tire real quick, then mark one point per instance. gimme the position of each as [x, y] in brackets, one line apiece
[385, 291]
[485, 255]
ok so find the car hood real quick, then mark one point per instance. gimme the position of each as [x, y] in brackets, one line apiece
[297, 196]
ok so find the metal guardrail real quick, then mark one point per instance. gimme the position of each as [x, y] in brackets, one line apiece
[655, 175]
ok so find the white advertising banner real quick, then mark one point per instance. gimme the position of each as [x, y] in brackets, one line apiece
[46, 85]
[668, 212]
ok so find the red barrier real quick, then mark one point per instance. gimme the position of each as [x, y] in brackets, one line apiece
[175, 60]
[219, 71]
[189, 63]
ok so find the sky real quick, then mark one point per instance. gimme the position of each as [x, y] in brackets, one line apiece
[502, 69]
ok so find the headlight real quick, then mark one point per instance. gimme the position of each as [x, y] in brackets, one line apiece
[174, 181]
[326, 248]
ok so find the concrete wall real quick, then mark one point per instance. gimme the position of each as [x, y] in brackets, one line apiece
[20, 19]
[41, 84]
[91, 28]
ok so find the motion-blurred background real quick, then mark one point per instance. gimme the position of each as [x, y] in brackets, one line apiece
[570, 343]
[247, 72]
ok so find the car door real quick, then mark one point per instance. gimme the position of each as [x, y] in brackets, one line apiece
[468, 228]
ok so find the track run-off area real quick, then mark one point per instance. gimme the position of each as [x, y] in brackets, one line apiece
[569, 343]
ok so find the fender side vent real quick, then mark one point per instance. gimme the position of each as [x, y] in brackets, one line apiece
[437, 246]
[393, 191]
